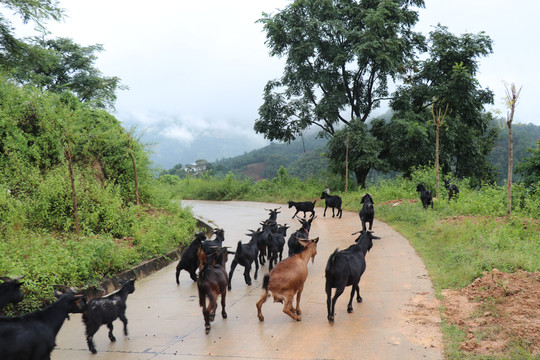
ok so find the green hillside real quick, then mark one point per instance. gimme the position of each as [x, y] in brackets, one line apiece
[305, 157]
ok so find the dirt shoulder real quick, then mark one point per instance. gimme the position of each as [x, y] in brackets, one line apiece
[497, 310]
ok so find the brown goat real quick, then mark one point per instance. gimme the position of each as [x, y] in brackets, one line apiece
[212, 282]
[287, 279]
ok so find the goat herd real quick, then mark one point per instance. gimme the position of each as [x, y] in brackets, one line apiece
[32, 336]
[286, 277]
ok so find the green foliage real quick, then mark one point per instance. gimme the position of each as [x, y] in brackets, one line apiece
[467, 137]
[339, 57]
[530, 167]
[38, 131]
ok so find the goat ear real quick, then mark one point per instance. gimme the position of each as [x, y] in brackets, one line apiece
[316, 240]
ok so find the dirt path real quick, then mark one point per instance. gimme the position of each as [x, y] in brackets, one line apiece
[398, 319]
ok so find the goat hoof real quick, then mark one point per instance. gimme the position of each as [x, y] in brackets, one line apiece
[261, 318]
[331, 318]
[229, 287]
[113, 339]
[94, 351]
[207, 329]
[359, 299]
[224, 315]
[350, 310]
[298, 318]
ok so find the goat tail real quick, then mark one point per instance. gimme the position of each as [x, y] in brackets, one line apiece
[331, 263]
[239, 247]
[266, 280]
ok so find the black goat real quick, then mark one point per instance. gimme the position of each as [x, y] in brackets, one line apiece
[276, 243]
[305, 206]
[333, 201]
[208, 245]
[105, 310]
[452, 190]
[425, 196]
[33, 335]
[303, 233]
[261, 237]
[273, 213]
[189, 260]
[245, 255]
[212, 282]
[345, 268]
[367, 213]
[10, 291]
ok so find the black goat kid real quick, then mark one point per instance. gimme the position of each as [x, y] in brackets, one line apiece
[305, 206]
[332, 201]
[10, 291]
[245, 255]
[105, 310]
[345, 268]
[452, 190]
[367, 213]
[425, 196]
[189, 260]
[33, 335]
[303, 233]
[210, 244]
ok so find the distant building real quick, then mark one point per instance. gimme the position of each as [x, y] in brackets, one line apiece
[197, 168]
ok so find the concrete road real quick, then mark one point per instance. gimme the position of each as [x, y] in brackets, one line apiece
[166, 322]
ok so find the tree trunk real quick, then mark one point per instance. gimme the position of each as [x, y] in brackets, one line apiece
[510, 169]
[511, 97]
[437, 161]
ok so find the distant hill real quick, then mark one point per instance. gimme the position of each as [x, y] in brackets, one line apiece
[304, 157]
[525, 137]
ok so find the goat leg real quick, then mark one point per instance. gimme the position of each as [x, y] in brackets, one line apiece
[124, 319]
[247, 278]
[231, 272]
[91, 346]
[223, 313]
[287, 309]
[260, 303]
[111, 336]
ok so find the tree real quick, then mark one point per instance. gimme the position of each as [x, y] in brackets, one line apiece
[339, 57]
[363, 151]
[60, 65]
[447, 76]
[512, 96]
[438, 119]
[37, 11]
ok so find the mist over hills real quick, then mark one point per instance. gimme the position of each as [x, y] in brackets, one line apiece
[259, 159]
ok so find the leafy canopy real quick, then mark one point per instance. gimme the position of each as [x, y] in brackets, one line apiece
[339, 56]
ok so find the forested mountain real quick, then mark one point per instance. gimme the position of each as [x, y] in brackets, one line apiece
[525, 137]
[311, 161]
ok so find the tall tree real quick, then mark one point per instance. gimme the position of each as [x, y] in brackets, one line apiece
[36, 11]
[339, 58]
[512, 96]
[447, 76]
[60, 65]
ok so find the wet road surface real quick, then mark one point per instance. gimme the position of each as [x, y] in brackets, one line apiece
[166, 322]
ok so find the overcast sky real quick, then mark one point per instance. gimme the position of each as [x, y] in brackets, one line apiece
[197, 67]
